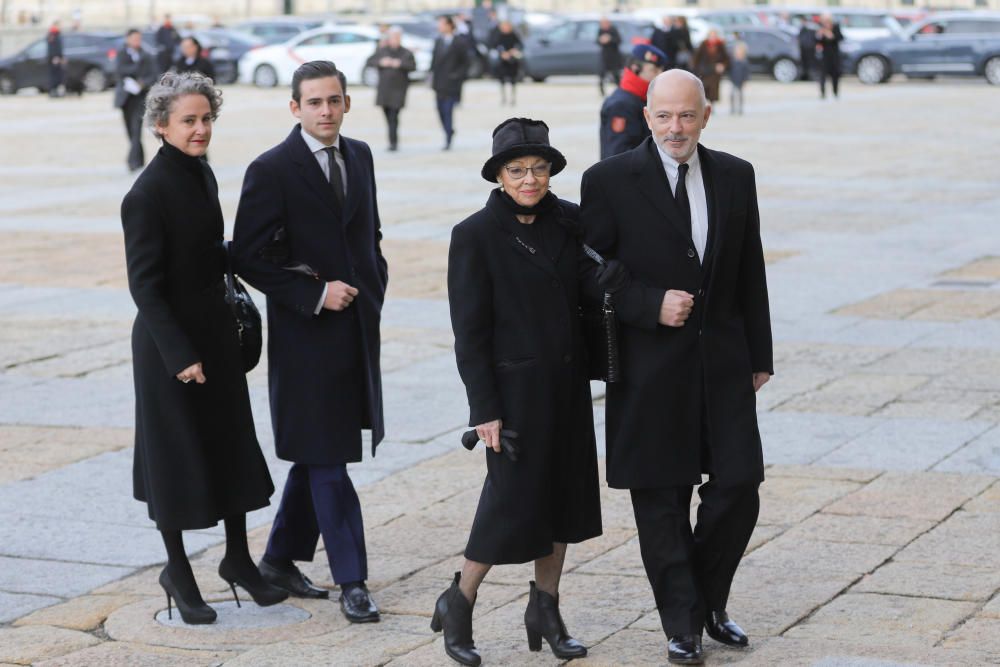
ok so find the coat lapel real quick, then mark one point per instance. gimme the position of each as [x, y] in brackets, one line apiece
[310, 171]
[719, 193]
[655, 187]
[355, 179]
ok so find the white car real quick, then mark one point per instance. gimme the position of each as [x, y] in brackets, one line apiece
[349, 47]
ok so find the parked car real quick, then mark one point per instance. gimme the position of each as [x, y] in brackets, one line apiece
[570, 46]
[90, 63]
[855, 24]
[224, 48]
[771, 51]
[729, 18]
[277, 29]
[948, 43]
[347, 46]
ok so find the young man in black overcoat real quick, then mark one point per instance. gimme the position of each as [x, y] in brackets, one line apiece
[308, 236]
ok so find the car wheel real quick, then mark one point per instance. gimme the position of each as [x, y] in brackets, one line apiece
[992, 70]
[873, 69]
[537, 79]
[369, 76]
[94, 80]
[785, 70]
[7, 84]
[265, 77]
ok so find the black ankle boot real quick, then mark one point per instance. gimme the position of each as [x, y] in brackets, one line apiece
[192, 607]
[542, 619]
[263, 593]
[453, 614]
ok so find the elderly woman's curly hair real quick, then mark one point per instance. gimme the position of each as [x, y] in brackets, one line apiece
[173, 85]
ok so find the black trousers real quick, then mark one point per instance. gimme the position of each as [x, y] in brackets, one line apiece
[392, 120]
[832, 71]
[132, 113]
[321, 500]
[691, 571]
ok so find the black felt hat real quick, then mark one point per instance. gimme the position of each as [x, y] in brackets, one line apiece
[517, 137]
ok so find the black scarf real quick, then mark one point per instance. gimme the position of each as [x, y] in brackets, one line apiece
[546, 204]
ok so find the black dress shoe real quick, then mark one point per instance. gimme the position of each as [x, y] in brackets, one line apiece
[292, 580]
[720, 628]
[357, 604]
[685, 650]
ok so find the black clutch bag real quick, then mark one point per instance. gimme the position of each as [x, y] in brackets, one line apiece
[248, 322]
[600, 331]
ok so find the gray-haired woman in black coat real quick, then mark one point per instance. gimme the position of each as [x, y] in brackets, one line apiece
[514, 293]
[197, 459]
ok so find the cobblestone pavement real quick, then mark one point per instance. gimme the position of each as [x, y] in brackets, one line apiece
[879, 538]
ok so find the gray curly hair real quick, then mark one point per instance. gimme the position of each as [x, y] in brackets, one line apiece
[172, 85]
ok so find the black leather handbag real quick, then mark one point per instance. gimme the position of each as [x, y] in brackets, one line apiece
[600, 331]
[248, 322]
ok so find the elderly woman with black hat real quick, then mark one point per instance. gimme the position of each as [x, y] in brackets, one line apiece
[514, 293]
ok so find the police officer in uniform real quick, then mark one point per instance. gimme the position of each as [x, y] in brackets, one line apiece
[622, 124]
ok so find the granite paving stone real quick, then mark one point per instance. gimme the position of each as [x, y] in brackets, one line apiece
[929, 495]
[860, 529]
[15, 605]
[85, 613]
[884, 620]
[964, 538]
[981, 455]
[30, 644]
[54, 577]
[947, 581]
[124, 654]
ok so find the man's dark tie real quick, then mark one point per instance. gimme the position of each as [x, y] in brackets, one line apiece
[336, 178]
[681, 195]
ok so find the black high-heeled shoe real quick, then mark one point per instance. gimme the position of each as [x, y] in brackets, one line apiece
[263, 593]
[453, 615]
[543, 620]
[192, 613]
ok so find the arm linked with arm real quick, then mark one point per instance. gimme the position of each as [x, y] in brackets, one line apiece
[636, 304]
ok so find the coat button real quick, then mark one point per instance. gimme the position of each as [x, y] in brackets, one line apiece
[701, 292]
[691, 253]
[567, 358]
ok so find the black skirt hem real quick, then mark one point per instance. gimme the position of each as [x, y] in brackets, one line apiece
[206, 521]
[526, 555]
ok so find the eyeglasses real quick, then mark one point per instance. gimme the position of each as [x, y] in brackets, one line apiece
[539, 170]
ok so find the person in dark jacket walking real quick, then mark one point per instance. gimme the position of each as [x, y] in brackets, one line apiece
[623, 126]
[739, 74]
[807, 49]
[136, 72]
[192, 60]
[610, 41]
[513, 291]
[167, 39]
[695, 346]
[56, 60]
[394, 63]
[681, 49]
[663, 40]
[308, 236]
[449, 67]
[197, 460]
[828, 39]
[509, 49]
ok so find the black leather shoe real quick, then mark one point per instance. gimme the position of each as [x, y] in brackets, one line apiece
[263, 593]
[453, 614]
[292, 580]
[720, 628]
[542, 619]
[685, 650]
[357, 604]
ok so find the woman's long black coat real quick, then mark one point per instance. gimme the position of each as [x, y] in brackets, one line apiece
[520, 353]
[197, 459]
